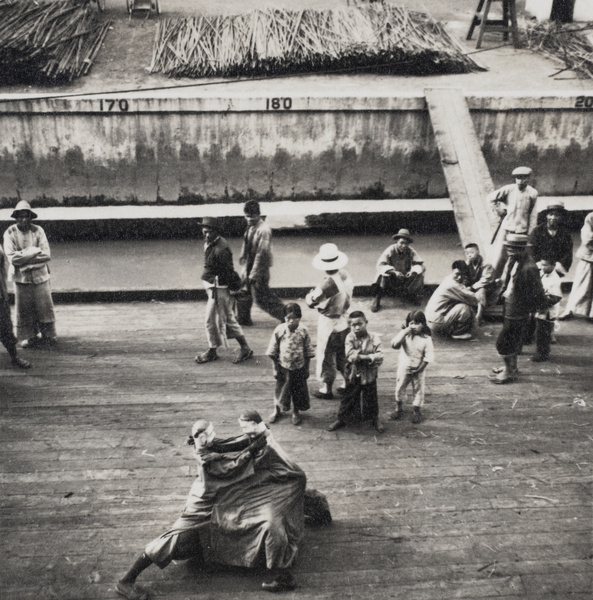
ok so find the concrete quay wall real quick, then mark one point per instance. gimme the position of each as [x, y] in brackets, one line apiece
[138, 148]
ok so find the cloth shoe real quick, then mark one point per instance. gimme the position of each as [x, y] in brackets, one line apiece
[243, 356]
[566, 316]
[416, 417]
[379, 428]
[208, 356]
[539, 358]
[21, 363]
[376, 305]
[296, 419]
[335, 425]
[324, 395]
[275, 416]
[282, 583]
[131, 591]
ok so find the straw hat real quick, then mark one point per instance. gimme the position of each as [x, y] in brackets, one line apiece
[522, 171]
[329, 258]
[22, 206]
[517, 240]
[555, 204]
[402, 233]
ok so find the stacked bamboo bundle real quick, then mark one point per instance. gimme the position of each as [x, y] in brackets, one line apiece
[48, 42]
[264, 42]
[564, 43]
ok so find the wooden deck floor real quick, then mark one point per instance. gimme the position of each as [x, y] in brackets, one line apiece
[490, 497]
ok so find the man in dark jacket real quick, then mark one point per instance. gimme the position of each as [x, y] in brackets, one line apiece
[522, 294]
[551, 240]
[218, 274]
[7, 336]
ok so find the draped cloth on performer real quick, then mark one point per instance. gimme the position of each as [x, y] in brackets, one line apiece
[253, 517]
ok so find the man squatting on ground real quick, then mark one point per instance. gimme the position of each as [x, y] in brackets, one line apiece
[480, 280]
[27, 250]
[256, 258]
[400, 271]
[522, 294]
[7, 336]
[514, 204]
[364, 357]
[451, 310]
[221, 463]
[218, 273]
[332, 300]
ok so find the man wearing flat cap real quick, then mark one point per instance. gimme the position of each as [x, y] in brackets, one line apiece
[400, 271]
[219, 278]
[514, 204]
[551, 240]
[27, 251]
[522, 294]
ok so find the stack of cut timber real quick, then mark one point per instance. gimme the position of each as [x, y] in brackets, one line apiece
[48, 42]
[373, 37]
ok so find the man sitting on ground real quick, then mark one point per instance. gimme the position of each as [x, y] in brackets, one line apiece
[451, 310]
[400, 271]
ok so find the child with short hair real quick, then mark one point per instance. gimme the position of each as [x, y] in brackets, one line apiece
[364, 357]
[291, 351]
[546, 318]
[416, 351]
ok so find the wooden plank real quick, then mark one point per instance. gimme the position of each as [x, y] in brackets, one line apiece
[466, 172]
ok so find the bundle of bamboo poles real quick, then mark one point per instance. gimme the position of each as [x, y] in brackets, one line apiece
[48, 42]
[370, 37]
[564, 43]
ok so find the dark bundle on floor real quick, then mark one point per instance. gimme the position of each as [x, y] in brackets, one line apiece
[564, 42]
[371, 38]
[48, 42]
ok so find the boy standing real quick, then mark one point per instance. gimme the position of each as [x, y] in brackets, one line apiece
[546, 317]
[291, 351]
[364, 356]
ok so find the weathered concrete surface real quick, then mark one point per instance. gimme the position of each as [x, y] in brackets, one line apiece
[138, 148]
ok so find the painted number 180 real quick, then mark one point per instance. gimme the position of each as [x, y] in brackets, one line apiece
[278, 103]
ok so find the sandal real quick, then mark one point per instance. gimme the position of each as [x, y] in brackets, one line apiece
[243, 356]
[208, 356]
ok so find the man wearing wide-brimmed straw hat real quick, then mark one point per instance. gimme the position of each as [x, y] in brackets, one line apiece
[514, 204]
[551, 240]
[522, 294]
[332, 300]
[27, 250]
[219, 278]
[400, 271]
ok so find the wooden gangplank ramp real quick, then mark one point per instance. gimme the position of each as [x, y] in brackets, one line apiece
[490, 497]
[466, 172]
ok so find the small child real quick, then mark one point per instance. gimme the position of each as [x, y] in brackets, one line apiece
[291, 351]
[416, 351]
[364, 357]
[545, 318]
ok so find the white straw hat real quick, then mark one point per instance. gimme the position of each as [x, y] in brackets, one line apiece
[329, 258]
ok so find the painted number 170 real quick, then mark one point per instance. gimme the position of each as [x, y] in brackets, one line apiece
[278, 103]
[111, 105]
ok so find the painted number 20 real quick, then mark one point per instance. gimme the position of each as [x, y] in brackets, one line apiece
[278, 103]
[109, 105]
[584, 102]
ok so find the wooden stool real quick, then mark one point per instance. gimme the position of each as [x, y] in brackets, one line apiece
[504, 25]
